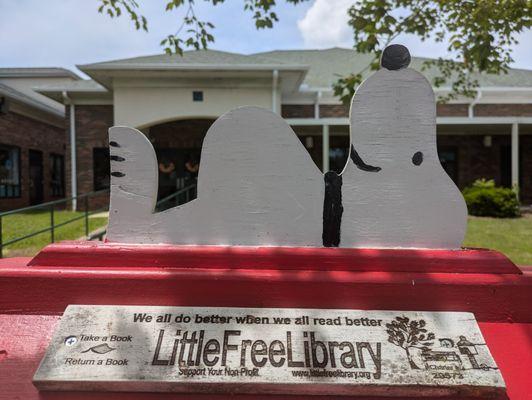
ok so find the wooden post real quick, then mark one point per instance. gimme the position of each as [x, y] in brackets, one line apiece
[325, 136]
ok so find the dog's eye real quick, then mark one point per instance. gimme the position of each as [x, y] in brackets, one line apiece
[417, 158]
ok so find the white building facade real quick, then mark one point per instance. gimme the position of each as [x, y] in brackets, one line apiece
[174, 99]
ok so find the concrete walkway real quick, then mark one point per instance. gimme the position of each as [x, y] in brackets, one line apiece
[103, 214]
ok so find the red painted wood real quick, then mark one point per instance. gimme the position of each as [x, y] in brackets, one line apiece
[48, 290]
[24, 338]
[23, 342]
[511, 347]
[31, 296]
[96, 254]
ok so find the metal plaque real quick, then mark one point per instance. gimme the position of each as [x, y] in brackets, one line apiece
[269, 350]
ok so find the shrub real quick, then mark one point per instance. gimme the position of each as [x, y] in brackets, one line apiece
[484, 199]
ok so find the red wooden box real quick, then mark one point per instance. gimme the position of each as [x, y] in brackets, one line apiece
[35, 292]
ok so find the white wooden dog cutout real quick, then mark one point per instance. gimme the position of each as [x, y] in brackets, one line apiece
[258, 186]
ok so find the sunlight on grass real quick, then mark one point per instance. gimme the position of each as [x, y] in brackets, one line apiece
[14, 226]
[511, 236]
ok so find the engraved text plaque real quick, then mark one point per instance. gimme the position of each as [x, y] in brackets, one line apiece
[266, 350]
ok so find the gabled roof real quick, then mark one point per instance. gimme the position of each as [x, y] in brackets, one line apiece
[314, 69]
[199, 64]
[37, 73]
[323, 67]
[19, 85]
[327, 65]
[211, 59]
[21, 97]
[85, 86]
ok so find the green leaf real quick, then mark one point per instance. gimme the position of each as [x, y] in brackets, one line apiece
[482, 34]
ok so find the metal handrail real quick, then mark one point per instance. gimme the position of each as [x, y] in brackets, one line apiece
[51, 207]
[51, 203]
[187, 190]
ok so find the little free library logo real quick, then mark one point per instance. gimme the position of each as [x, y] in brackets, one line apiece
[266, 345]
[236, 352]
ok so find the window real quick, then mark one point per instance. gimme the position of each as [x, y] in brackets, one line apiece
[197, 95]
[9, 171]
[101, 167]
[57, 174]
[506, 166]
[449, 161]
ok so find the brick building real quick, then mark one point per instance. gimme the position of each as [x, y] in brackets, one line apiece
[32, 137]
[174, 99]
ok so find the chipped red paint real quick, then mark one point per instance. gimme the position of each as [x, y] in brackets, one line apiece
[33, 293]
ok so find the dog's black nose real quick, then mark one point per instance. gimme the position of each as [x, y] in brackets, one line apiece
[395, 56]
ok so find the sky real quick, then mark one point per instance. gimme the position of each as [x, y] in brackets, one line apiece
[63, 33]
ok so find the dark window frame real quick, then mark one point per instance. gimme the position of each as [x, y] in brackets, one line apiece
[507, 181]
[454, 149]
[19, 186]
[96, 178]
[62, 185]
[36, 192]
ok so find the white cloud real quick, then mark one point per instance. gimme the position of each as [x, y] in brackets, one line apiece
[68, 32]
[325, 24]
[522, 55]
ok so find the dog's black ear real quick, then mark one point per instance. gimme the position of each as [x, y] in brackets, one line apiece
[395, 56]
[357, 160]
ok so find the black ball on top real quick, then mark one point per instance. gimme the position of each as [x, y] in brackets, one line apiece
[395, 56]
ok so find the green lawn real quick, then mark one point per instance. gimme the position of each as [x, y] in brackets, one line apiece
[511, 236]
[18, 225]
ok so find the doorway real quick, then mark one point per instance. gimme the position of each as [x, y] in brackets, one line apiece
[36, 177]
[178, 143]
[449, 161]
[506, 166]
[173, 174]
